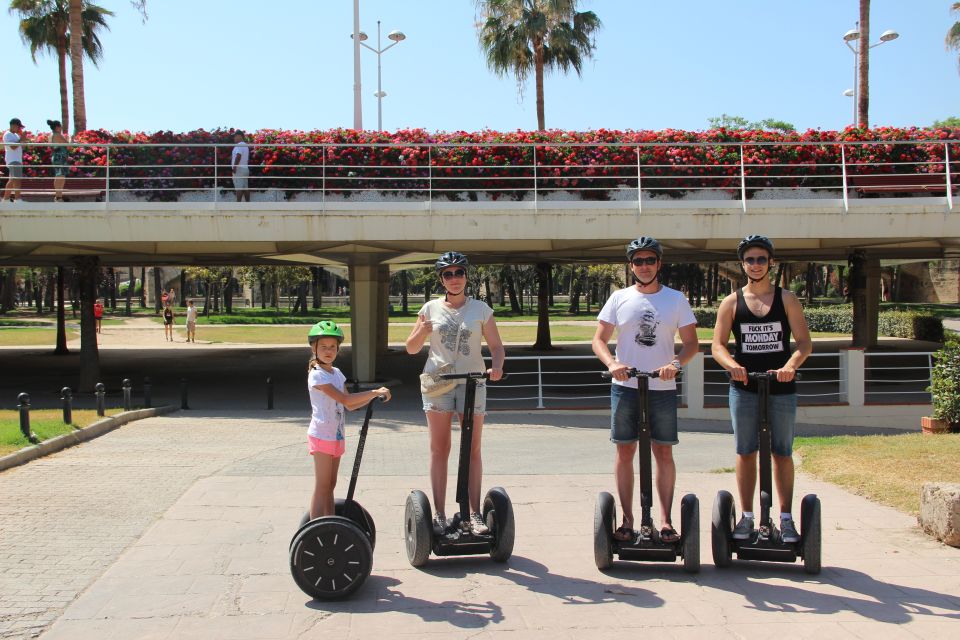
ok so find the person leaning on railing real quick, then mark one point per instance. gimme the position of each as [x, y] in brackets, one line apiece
[58, 157]
[13, 156]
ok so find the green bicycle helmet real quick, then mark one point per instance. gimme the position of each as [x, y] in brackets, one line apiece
[325, 329]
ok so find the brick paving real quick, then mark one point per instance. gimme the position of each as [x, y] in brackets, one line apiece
[178, 526]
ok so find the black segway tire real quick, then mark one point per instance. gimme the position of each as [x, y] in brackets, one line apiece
[810, 533]
[721, 529]
[604, 516]
[330, 558]
[355, 511]
[303, 521]
[498, 515]
[416, 528]
[690, 533]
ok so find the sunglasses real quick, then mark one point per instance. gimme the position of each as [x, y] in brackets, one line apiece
[639, 262]
[450, 275]
[760, 260]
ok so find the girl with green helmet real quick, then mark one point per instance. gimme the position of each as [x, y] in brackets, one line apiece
[329, 399]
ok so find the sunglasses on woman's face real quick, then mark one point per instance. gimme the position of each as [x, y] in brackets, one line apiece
[649, 261]
[456, 273]
[760, 260]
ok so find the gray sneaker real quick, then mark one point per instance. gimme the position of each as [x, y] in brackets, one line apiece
[439, 524]
[477, 525]
[788, 531]
[744, 529]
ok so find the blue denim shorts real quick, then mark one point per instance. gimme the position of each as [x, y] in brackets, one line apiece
[745, 415]
[454, 400]
[624, 427]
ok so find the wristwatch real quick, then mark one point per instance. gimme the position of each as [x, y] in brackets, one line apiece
[676, 365]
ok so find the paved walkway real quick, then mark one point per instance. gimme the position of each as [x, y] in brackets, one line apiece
[177, 527]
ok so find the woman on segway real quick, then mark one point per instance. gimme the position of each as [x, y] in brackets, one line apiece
[454, 325]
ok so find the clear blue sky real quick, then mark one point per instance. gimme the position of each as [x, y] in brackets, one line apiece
[288, 64]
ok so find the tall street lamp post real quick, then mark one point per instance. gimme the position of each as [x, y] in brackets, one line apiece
[851, 39]
[397, 37]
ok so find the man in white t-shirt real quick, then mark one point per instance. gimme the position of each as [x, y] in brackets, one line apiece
[13, 156]
[240, 165]
[191, 321]
[647, 317]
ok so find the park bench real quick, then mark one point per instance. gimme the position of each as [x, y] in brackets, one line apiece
[74, 188]
[934, 184]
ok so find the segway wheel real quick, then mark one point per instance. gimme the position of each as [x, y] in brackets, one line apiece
[416, 528]
[810, 536]
[330, 558]
[721, 529]
[604, 516]
[498, 514]
[690, 532]
[354, 511]
[303, 521]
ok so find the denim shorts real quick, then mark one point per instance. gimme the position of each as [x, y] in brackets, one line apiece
[624, 427]
[454, 400]
[15, 170]
[745, 415]
[241, 178]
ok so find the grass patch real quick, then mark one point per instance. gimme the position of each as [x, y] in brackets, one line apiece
[722, 470]
[887, 469]
[31, 336]
[46, 423]
[935, 309]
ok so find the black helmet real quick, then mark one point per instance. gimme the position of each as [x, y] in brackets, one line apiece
[754, 241]
[644, 243]
[451, 259]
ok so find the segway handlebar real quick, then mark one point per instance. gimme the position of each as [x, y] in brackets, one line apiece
[634, 373]
[764, 375]
[474, 375]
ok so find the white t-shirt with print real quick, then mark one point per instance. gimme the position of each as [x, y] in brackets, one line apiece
[646, 325]
[242, 150]
[327, 418]
[456, 335]
[191, 313]
[12, 153]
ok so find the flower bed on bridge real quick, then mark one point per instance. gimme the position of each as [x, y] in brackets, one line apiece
[162, 165]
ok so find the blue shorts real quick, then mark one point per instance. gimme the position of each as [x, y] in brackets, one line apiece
[455, 400]
[624, 415]
[745, 415]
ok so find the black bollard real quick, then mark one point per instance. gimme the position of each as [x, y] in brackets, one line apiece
[66, 397]
[183, 394]
[147, 390]
[269, 393]
[100, 390]
[24, 399]
[126, 394]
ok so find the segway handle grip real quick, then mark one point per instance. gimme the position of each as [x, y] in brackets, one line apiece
[632, 373]
[759, 375]
[475, 375]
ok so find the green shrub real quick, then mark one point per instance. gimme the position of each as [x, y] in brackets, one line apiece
[945, 382]
[833, 319]
[706, 317]
[910, 324]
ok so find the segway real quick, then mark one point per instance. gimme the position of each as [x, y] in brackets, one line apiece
[765, 543]
[458, 539]
[646, 544]
[331, 556]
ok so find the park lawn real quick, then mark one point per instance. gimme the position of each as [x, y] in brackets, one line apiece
[32, 336]
[46, 423]
[887, 469]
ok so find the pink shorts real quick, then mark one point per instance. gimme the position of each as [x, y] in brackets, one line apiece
[333, 448]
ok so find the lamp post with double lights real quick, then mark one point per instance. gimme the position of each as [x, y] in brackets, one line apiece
[397, 37]
[851, 38]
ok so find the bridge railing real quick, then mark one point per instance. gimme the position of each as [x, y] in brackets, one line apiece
[537, 172]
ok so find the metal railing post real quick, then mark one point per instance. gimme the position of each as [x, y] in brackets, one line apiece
[323, 179]
[539, 384]
[106, 195]
[639, 184]
[430, 176]
[216, 188]
[535, 200]
[24, 407]
[66, 399]
[843, 173]
[743, 182]
[946, 158]
[100, 390]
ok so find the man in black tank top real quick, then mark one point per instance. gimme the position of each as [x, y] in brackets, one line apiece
[762, 318]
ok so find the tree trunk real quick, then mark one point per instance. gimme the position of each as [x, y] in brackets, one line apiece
[507, 277]
[157, 289]
[315, 285]
[550, 283]
[538, 73]
[809, 284]
[576, 288]
[130, 285]
[62, 72]
[76, 67]
[183, 287]
[50, 295]
[863, 51]
[89, 269]
[113, 288]
[143, 287]
[404, 290]
[263, 293]
[61, 317]
[543, 307]
[228, 296]
[8, 296]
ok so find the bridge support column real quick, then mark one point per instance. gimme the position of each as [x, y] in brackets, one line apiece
[693, 386]
[864, 286]
[368, 314]
[852, 376]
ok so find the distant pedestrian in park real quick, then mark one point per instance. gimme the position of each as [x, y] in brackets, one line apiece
[172, 297]
[98, 313]
[328, 399]
[168, 322]
[191, 322]
[13, 156]
[58, 158]
[240, 165]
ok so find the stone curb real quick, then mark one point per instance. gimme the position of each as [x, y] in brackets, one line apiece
[90, 432]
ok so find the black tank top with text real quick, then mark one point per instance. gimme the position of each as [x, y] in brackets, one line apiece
[763, 343]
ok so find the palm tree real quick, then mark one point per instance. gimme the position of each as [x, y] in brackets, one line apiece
[76, 59]
[863, 51]
[44, 28]
[953, 35]
[520, 36]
